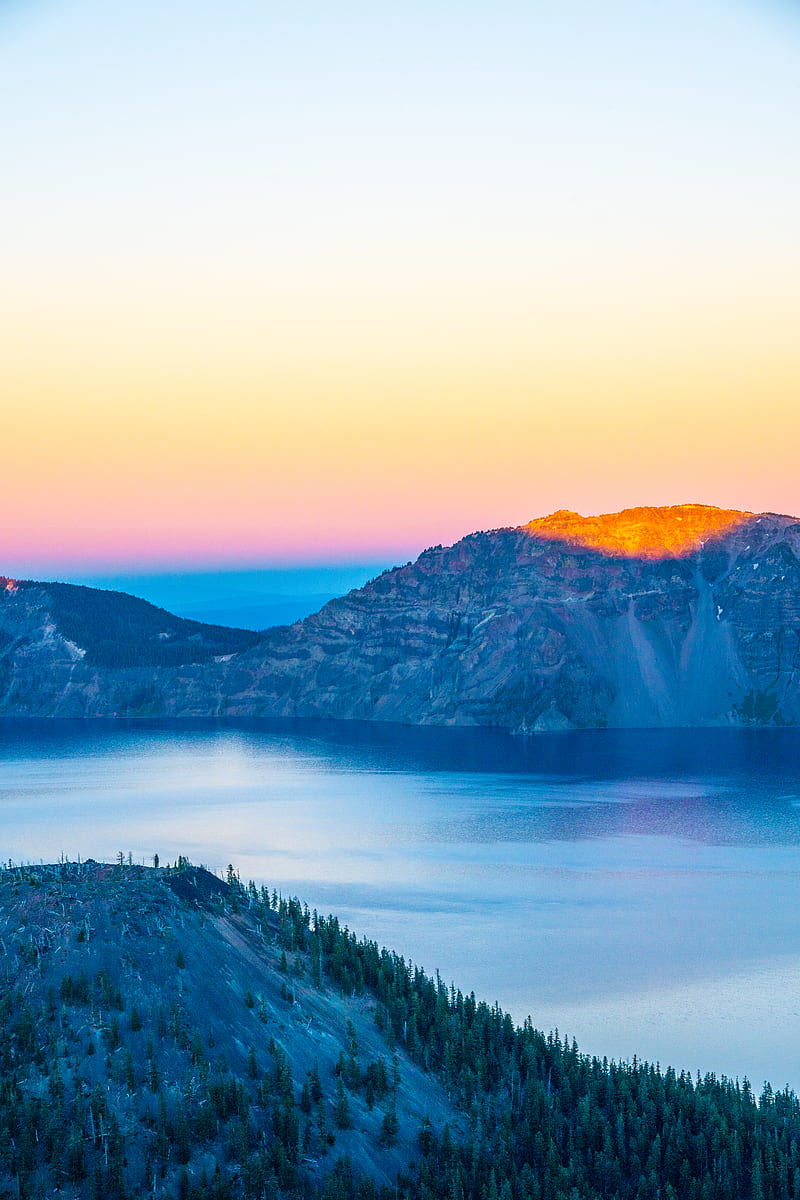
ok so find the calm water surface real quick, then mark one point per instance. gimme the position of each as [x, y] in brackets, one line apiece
[638, 890]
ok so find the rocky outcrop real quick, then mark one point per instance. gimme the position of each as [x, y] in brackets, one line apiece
[532, 629]
[685, 616]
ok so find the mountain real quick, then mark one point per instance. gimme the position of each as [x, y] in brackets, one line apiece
[651, 617]
[681, 616]
[75, 651]
[167, 1034]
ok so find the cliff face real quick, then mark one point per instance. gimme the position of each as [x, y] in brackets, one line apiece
[531, 628]
[653, 617]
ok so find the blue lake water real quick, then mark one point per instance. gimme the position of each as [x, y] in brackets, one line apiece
[638, 890]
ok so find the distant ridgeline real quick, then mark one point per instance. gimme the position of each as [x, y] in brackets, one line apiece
[165, 1033]
[683, 616]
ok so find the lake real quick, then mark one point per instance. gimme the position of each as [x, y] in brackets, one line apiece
[638, 890]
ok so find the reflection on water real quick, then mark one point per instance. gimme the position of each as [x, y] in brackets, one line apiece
[637, 889]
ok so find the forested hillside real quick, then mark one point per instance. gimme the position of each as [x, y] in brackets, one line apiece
[118, 630]
[165, 1033]
[77, 651]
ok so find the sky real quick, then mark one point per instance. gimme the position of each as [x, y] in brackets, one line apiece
[258, 598]
[297, 283]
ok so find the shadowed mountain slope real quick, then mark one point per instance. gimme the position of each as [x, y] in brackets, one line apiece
[79, 651]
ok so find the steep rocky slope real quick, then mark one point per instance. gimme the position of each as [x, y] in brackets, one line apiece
[535, 629]
[651, 617]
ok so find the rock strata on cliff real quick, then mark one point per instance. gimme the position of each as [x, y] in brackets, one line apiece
[651, 617]
[533, 629]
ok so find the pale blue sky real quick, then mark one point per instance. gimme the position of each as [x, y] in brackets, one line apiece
[230, 139]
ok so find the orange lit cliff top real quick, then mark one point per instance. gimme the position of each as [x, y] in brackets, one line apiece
[641, 532]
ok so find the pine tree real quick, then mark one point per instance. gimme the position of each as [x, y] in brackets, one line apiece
[341, 1108]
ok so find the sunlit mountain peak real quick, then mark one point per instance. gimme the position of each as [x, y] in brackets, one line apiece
[666, 532]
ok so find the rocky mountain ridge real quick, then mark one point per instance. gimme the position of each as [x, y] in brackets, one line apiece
[683, 616]
[521, 629]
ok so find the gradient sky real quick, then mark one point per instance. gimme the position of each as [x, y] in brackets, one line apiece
[301, 281]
